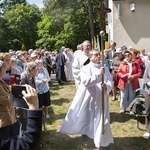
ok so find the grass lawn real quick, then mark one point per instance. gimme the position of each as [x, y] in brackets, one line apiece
[124, 127]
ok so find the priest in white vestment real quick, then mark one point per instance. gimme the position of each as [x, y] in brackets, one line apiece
[85, 113]
[81, 58]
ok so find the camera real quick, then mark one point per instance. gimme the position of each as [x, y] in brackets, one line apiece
[18, 101]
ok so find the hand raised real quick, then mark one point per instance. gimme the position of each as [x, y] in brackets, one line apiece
[31, 98]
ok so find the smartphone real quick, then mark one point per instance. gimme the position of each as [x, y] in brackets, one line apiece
[17, 90]
[18, 101]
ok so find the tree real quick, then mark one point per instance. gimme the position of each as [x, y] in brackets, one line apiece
[62, 22]
[8, 4]
[22, 21]
[4, 35]
[69, 22]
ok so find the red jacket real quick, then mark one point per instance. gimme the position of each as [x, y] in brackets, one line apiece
[139, 61]
[136, 73]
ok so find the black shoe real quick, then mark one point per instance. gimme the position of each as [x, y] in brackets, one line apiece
[85, 139]
[60, 83]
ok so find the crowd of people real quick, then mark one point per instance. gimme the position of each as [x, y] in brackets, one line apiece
[119, 76]
[9, 136]
[124, 71]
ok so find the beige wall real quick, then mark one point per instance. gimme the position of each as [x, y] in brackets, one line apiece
[131, 28]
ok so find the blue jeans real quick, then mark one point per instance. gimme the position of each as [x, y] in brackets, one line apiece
[127, 96]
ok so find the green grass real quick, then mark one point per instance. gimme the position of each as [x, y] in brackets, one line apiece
[124, 127]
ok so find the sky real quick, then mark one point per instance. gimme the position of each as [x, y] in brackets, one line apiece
[39, 3]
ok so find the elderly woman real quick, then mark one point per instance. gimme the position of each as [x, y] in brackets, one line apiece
[138, 59]
[27, 77]
[7, 111]
[128, 72]
[6, 58]
[146, 78]
[42, 80]
[13, 62]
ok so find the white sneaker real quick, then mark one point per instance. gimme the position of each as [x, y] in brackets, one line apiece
[144, 112]
[146, 135]
[131, 113]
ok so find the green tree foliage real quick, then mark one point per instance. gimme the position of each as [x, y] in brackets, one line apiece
[60, 23]
[22, 22]
[4, 35]
[65, 22]
[8, 4]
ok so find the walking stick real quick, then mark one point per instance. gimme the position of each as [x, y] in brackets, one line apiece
[102, 34]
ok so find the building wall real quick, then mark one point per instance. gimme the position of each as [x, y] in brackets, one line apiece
[130, 28]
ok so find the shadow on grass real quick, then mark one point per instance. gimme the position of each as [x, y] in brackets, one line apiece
[130, 143]
[60, 101]
[117, 117]
[68, 83]
[54, 117]
[54, 86]
[54, 140]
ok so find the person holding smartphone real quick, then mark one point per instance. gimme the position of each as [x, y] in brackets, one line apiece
[7, 111]
[31, 136]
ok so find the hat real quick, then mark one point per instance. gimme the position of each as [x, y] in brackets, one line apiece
[118, 50]
[127, 52]
[13, 57]
[130, 47]
[18, 53]
[33, 55]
